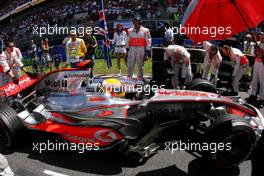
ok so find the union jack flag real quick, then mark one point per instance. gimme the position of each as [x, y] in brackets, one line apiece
[103, 31]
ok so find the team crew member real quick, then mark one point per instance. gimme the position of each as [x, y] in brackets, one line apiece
[46, 54]
[65, 40]
[57, 59]
[32, 52]
[168, 35]
[261, 40]
[120, 42]
[5, 169]
[249, 46]
[75, 49]
[240, 65]
[139, 43]
[258, 77]
[91, 43]
[1, 42]
[8, 62]
[212, 61]
[180, 61]
[20, 57]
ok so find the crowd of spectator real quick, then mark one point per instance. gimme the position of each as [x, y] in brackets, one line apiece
[11, 5]
[176, 8]
[121, 9]
[64, 15]
[178, 3]
[117, 9]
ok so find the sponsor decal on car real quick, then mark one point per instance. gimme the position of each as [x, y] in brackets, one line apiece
[12, 86]
[184, 93]
[12, 89]
[56, 83]
[78, 75]
[78, 138]
[158, 112]
[105, 136]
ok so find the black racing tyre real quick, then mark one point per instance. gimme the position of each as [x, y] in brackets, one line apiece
[237, 137]
[200, 84]
[10, 127]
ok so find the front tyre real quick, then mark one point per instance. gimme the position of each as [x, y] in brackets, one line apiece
[10, 127]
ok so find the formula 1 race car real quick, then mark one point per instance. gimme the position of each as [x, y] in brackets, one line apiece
[80, 109]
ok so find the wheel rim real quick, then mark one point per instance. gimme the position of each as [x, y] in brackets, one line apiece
[4, 135]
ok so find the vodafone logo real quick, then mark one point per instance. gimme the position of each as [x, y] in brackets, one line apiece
[105, 136]
[13, 88]
[184, 93]
[10, 88]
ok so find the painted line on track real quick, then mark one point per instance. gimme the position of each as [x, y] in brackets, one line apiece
[52, 173]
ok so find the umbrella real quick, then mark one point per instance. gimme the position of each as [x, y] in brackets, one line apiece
[220, 19]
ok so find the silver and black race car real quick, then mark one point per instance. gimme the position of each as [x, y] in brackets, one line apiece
[115, 113]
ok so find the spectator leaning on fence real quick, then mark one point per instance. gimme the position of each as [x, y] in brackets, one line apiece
[120, 42]
[75, 49]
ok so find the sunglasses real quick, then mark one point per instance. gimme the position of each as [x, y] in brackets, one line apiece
[11, 46]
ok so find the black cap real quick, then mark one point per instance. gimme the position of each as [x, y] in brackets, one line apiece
[138, 18]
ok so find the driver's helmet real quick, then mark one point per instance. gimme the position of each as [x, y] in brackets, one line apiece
[114, 87]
